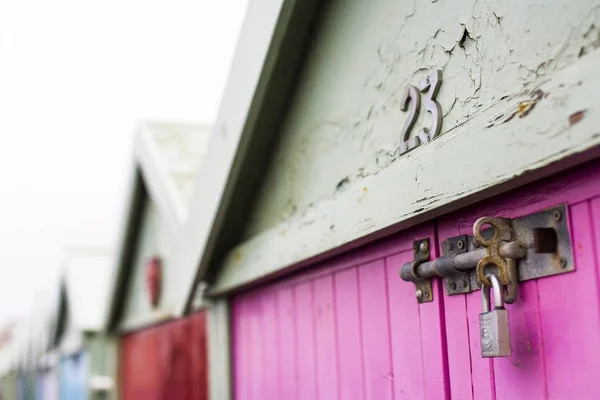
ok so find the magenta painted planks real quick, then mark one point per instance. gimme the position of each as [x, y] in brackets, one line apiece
[379, 378]
[350, 328]
[457, 336]
[553, 344]
[405, 332]
[459, 351]
[287, 340]
[350, 331]
[305, 342]
[256, 348]
[482, 369]
[271, 368]
[569, 315]
[501, 378]
[349, 341]
[433, 342]
[241, 366]
[327, 357]
[523, 376]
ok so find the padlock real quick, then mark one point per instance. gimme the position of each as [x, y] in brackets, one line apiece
[493, 325]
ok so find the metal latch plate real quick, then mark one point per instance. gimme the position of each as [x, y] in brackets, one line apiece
[549, 250]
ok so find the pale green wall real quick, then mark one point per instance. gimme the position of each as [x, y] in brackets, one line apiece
[8, 386]
[102, 351]
[345, 120]
[154, 239]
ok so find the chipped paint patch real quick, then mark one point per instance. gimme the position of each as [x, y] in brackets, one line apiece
[345, 121]
[576, 117]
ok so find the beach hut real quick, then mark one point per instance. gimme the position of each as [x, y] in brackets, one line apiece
[44, 356]
[47, 377]
[23, 363]
[82, 354]
[8, 359]
[161, 354]
[374, 164]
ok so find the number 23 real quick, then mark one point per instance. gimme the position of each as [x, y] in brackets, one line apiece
[431, 84]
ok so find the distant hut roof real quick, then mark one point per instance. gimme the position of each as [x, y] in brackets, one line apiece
[167, 158]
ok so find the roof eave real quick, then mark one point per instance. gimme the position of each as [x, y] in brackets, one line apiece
[273, 40]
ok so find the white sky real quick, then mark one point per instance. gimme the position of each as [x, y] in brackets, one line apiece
[75, 78]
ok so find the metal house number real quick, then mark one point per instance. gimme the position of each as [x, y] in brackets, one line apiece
[412, 97]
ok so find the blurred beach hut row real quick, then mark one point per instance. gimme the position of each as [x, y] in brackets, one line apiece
[106, 333]
[287, 251]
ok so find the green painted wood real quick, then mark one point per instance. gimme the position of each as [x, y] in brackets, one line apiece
[337, 180]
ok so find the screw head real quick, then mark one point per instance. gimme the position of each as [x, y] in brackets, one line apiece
[419, 294]
[563, 262]
[557, 215]
[460, 244]
[452, 285]
[424, 247]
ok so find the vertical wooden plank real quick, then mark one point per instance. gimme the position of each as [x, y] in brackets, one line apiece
[271, 368]
[569, 315]
[241, 345]
[197, 376]
[221, 340]
[459, 351]
[482, 369]
[256, 348]
[407, 359]
[287, 340]
[305, 342]
[376, 331]
[348, 334]
[171, 362]
[139, 368]
[433, 340]
[523, 375]
[471, 377]
[457, 331]
[164, 344]
[327, 356]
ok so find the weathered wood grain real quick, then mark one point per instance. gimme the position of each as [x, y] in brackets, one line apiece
[508, 145]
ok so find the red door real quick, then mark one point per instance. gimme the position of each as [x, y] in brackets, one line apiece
[167, 361]
[350, 328]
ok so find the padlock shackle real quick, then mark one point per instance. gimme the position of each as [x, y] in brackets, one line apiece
[498, 293]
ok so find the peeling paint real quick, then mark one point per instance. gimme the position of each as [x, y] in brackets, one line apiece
[576, 117]
[345, 120]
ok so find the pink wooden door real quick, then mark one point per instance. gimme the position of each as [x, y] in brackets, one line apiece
[347, 329]
[350, 328]
[555, 324]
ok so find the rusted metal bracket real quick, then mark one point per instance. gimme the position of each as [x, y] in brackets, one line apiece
[423, 287]
[540, 245]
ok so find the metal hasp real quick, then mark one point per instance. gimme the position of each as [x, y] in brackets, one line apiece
[529, 247]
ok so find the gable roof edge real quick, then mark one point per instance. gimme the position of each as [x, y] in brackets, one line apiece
[273, 37]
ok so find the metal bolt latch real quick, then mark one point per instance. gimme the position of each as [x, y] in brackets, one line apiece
[515, 250]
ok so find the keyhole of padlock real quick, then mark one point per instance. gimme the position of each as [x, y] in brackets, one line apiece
[493, 324]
